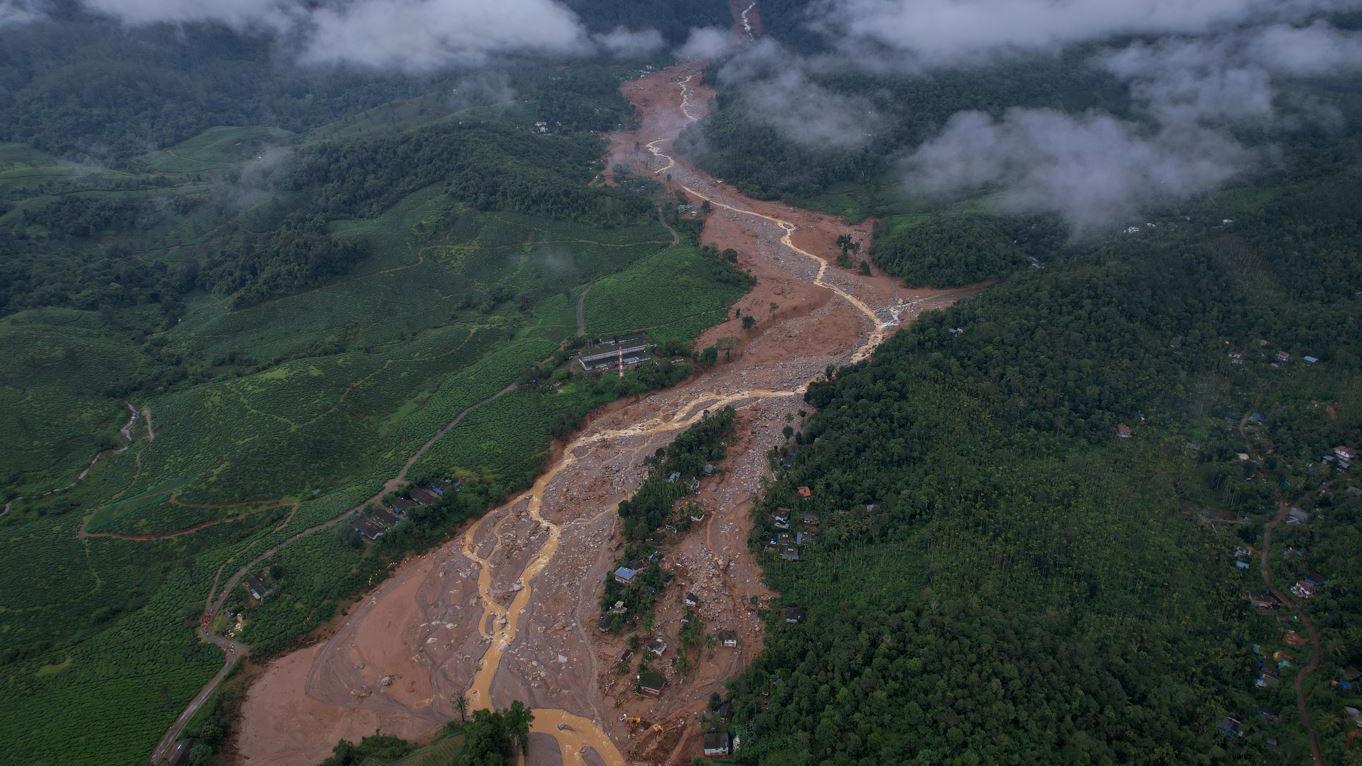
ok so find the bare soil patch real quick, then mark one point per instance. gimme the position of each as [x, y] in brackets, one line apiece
[542, 558]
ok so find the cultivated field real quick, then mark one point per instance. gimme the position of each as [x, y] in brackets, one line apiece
[290, 412]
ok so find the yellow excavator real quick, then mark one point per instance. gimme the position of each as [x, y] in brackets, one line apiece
[634, 720]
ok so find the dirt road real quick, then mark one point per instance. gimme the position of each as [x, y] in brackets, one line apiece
[125, 440]
[508, 610]
[1302, 707]
[234, 651]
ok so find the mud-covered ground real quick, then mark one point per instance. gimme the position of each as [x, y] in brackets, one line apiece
[527, 630]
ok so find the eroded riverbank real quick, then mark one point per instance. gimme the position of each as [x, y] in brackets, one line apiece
[507, 611]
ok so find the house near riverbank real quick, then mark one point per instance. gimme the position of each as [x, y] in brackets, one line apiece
[718, 744]
[651, 682]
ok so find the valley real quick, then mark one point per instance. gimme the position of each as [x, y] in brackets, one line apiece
[508, 611]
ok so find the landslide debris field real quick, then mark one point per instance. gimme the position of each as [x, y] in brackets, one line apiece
[509, 609]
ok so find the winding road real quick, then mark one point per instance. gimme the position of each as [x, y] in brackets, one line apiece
[1265, 565]
[234, 651]
[1302, 707]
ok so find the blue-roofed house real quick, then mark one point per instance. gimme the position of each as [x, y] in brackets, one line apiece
[625, 575]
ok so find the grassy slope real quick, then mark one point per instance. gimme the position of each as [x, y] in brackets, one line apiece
[317, 397]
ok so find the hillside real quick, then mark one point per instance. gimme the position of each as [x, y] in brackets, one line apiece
[786, 382]
[297, 312]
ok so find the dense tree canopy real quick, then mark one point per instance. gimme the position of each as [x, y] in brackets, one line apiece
[997, 577]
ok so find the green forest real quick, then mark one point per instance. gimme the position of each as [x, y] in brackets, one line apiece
[1001, 577]
[295, 277]
[249, 300]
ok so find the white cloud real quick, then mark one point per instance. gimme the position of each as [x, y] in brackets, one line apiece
[1317, 49]
[1092, 169]
[1228, 77]
[1183, 79]
[628, 43]
[947, 32]
[238, 14]
[776, 91]
[708, 43]
[16, 12]
[410, 35]
[416, 35]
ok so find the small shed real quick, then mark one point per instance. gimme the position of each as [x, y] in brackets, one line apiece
[651, 682]
[255, 585]
[718, 744]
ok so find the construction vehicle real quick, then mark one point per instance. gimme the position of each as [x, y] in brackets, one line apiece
[634, 720]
